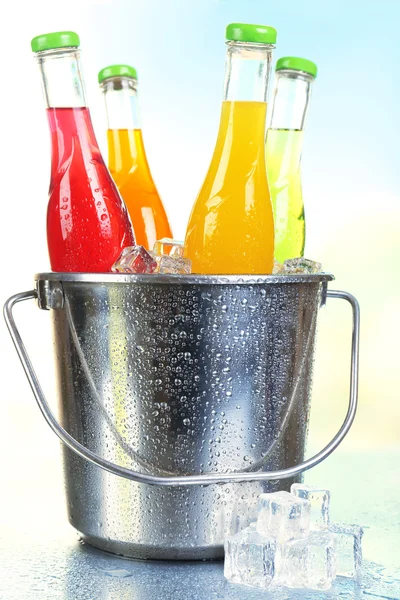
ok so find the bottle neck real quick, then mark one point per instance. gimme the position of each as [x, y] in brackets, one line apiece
[247, 71]
[124, 135]
[62, 80]
[291, 96]
[69, 118]
[120, 97]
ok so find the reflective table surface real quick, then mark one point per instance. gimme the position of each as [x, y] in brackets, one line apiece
[41, 557]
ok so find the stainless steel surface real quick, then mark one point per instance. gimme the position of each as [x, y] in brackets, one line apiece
[133, 405]
[164, 279]
[95, 459]
[50, 294]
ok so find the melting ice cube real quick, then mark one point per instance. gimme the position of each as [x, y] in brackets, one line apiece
[250, 559]
[169, 247]
[349, 550]
[301, 265]
[134, 259]
[319, 499]
[309, 562]
[244, 514]
[173, 264]
[278, 268]
[283, 516]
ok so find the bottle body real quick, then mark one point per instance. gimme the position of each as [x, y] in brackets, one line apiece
[284, 143]
[231, 227]
[128, 163]
[88, 225]
[136, 186]
[283, 153]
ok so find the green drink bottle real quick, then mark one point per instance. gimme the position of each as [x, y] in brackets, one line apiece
[292, 90]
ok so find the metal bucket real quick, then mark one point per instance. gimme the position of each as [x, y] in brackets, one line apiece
[173, 386]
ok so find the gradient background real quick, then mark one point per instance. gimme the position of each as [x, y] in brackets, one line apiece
[350, 172]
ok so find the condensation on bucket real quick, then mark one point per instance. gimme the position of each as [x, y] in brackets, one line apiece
[181, 379]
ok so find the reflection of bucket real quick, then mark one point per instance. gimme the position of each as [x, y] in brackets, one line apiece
[172, 376]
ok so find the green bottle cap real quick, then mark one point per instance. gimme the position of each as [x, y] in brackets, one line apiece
[243, 32]
[58, 39]
[117, 71]
[296, 64]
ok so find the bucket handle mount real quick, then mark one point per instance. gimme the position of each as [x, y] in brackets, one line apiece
[185, 480]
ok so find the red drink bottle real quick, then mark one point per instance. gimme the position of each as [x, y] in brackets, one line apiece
[87, 222]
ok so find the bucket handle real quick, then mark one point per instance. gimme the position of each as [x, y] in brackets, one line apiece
[185, 480]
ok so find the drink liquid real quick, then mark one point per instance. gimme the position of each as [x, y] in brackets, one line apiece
[87, 222]
[292, 90]
[127, 157]
[85, 230]
[231, 228]
[283, 152]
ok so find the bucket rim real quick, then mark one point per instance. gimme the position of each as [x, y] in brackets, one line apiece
[169, 279]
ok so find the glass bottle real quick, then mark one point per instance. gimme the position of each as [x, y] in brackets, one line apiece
[87, 222]
[292, 90]
[127, 159]
[231, 228]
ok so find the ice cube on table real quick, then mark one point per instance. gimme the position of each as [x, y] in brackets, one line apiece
[301, 265]
[349, 550]
[319, 499]
[173, 264]
[169, 247]
[134, 259]
[308, 562]
[283, 516]
[250, 559]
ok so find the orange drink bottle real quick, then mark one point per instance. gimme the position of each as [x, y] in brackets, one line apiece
[127, 159]
[231, 227]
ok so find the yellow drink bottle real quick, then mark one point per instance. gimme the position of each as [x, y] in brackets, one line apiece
[231, 227]
[291, 95]
[127, 159]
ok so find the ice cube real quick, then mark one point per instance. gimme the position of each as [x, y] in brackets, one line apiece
[250, 559]
[169, 247]
[349, 550]
[173, 264]
[319, 499]
[301, 265]
[244, 514]
[309, 562]
[278, 268]
[134, 259]
[283, 516]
